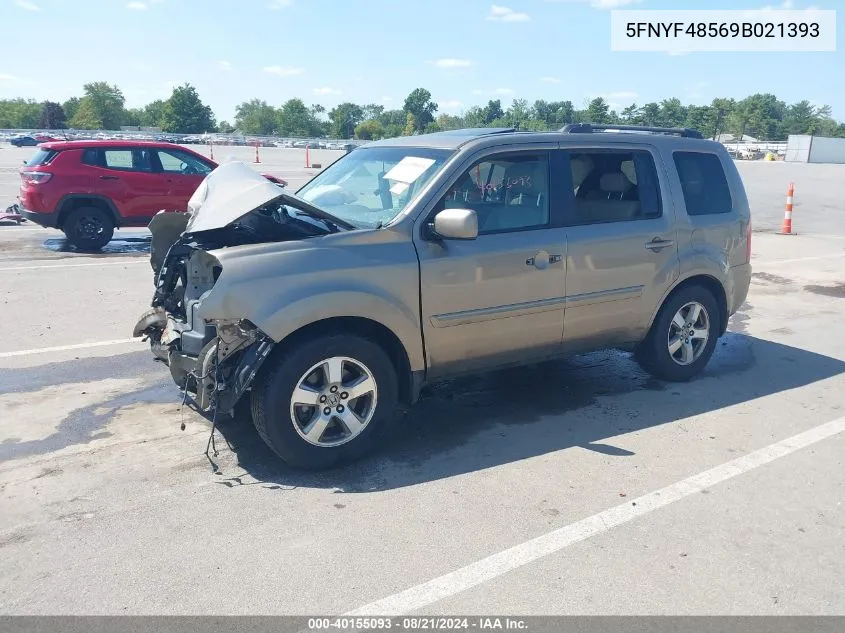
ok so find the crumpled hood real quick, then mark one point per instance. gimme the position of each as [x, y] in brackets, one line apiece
[234, 189]
[229, 192]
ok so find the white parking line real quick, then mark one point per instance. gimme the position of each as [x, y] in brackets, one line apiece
[498, 564]
[798, 259]
[62, 348]
[126, 262]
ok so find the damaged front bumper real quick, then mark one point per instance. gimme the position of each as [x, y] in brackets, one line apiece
[215, 361]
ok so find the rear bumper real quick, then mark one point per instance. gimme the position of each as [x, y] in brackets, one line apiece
[740, 277]
[44, 219]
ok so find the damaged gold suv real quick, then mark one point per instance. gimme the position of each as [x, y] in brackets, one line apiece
[413, 259]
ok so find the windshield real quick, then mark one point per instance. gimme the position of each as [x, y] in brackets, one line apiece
[371, 186]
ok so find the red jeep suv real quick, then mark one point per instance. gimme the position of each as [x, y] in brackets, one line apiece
[88, 188]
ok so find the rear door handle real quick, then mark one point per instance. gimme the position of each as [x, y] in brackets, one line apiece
[109, 178]
[657, 244]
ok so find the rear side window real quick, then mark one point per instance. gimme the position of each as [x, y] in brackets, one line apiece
[611, 186]
[703, 182]
[42, 157]
[91, 157]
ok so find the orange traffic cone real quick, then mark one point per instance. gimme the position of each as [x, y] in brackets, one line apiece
[786, 227]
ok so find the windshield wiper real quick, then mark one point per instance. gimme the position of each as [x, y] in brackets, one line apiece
[309, 209]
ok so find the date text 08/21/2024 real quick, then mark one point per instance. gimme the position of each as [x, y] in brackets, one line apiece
[416, 623]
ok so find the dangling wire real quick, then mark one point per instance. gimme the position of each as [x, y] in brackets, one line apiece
[212, 445]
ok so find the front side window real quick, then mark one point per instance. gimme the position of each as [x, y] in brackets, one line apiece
[703, 182]
[177, 162]
[372, 185]
[507, 193]
[612, 186]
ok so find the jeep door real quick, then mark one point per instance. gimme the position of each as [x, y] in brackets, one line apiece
[182, 173]
[622, 245]
[125, 176]
[498, 298]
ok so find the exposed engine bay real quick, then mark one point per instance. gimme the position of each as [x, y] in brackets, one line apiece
[216, 360]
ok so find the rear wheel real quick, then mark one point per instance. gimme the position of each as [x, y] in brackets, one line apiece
[326, 402]
[683, 336]
[88, 228]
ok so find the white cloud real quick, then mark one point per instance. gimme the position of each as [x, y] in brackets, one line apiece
[387, 99]
[504, 14]
[550, 80]
[284, 71]
[477, 92]
[7, 77]
[275, 5]
[503, 91]
[27, 6]
[621, 95]
[137, 6]
[450, 104]
[452, 62]
[599, 4]
[224, 65]
[325, 91]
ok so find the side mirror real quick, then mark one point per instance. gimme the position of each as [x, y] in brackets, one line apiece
[456, 224]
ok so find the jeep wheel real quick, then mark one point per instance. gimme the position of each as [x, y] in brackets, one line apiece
[683, 336]
[88, 228]
[326, 402]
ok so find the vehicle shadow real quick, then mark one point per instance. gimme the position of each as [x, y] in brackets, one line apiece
[474, 423]
[118, 245]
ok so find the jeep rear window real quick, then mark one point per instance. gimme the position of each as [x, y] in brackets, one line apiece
[703, 182]
[42, 157]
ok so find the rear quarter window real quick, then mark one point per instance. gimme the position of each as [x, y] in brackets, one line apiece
[703, 182]
[42, 157]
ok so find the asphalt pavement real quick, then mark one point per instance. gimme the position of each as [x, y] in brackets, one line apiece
[580, 486]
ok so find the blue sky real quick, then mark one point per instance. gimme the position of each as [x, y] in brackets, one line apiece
[327, 51]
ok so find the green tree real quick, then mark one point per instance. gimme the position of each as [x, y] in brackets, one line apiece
[492, 111]
[650, 114]
[153, 114]
[86, 117]
[70, 107]
[672, 113]
[185, 112]
[449, 122]
[296, 119]
[419, 104]
[700, 118]
[631, 114]
[344, 118]
[105, 102]
[52, 117]
[133, 116]
[373, 111]
[598, 111]
[721, 112]
[369, 130]
[410, 125]
[225, 127]
[20, 113]
[256, 117]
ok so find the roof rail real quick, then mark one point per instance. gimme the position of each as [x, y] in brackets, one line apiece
[588, 128]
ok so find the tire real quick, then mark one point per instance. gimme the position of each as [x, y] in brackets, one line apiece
[283, 424]
[88, 228]
[654, 353]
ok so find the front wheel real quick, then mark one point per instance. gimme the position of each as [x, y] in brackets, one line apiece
[683, 336]
[88, 228]
[326, 402]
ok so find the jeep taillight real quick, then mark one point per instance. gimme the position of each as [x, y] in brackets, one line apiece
[36, 177]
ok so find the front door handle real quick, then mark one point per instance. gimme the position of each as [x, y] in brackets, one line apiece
[658, 244]
[542, 260]
[109, 178]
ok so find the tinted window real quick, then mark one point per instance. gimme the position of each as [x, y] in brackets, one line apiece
[174, 161]
[612, 187]
[91, 157]
[508, 193]
[42, 157]
[703, 182]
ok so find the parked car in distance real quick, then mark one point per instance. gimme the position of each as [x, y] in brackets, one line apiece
[24, 141]
[89, 188]
[414, 259]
